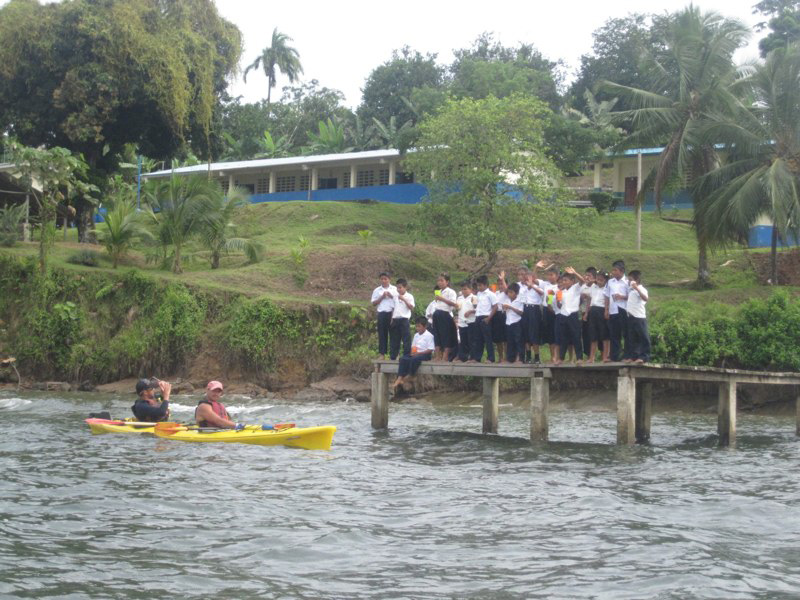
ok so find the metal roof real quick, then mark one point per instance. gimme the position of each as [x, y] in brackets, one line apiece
[265, 163]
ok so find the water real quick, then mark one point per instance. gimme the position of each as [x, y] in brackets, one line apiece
[419, 512]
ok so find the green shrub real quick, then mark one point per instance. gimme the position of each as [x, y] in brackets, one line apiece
[679, 338]
[357, 362]
[87, 258]
[11, 217]
[769, 331]
[603, 202]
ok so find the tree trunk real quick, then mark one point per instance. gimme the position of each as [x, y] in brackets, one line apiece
[176, 265]
[773, 257]
[703, 272]
[66, 224]
[85, 222]
[215, 260]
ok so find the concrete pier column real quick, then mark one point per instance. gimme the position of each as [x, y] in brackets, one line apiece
[491, 403]
[644, 411]
[540, 406]
[726, 413]
[626, 408]
[797, 410]
[380, 401]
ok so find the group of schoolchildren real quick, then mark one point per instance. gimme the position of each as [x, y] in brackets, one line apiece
[575, 315]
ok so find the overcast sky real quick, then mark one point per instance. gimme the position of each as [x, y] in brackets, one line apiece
[341, 42]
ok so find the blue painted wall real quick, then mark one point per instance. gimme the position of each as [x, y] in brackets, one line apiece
[679, 199]
[404, 193]
[761, 237]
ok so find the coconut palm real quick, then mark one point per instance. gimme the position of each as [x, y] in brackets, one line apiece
[361, 136]
[122, 226]
[217, 230]
[691, 82]
[278, 55]
[176, 211]
[762, 173]
[394, 136]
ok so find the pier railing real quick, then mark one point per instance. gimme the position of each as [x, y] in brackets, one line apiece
[634, 392]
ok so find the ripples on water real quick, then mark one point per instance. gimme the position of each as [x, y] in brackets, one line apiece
[421, 511]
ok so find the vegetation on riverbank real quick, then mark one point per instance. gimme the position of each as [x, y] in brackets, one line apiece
[259, 322]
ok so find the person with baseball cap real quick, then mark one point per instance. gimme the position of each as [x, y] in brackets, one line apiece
[147, 407]
[210, 412]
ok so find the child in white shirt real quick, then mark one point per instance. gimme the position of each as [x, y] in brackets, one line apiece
[499, 319]
[421, 350]
[514, 310]
[598, 325]
[466, 304]
[567, 317]
[548, 311]
[616, 310]
[400, 329]
[383, 301]
[444, 330]
[638, 335]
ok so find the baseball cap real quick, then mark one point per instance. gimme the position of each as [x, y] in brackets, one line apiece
[214, 385]
[145, 384]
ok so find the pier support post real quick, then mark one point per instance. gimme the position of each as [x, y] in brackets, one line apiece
[491, 403]
[626, 408]
[797, 409]
[540, 405]
[726, 413]
[644, 411]
[380, 400]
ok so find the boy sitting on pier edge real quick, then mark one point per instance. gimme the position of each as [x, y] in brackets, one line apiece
[421, 350]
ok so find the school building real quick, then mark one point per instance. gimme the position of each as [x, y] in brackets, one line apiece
[375, 175]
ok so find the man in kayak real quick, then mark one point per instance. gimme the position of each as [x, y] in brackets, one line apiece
[210, 412]
[147, 407]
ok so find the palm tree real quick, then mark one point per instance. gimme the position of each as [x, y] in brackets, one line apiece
[217, 229]
[361, 137]
[122, 226]
[278, 55]
[394, 136]
[176, 210]
[762, 173]
[691, 82]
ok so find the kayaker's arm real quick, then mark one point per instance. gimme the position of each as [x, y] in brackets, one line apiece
[206, 413]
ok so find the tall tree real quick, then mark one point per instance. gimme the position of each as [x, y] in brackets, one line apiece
[465, 155]
[387, 85]
[690, 82]
[762, 173]
[489, 68]
[783, 23]
[279, 55]
[92, 76]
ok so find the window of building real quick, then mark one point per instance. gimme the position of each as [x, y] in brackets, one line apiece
[328, 183]
[403, 177]
[262, 185]
[365, 178]
[383, 177]
[304, 181]
[285, 183]
[346, 179]
[225, 185]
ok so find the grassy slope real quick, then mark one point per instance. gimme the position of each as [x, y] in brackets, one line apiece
[341, 267]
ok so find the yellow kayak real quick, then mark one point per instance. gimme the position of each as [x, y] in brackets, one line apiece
[310, 438]
[119, 426]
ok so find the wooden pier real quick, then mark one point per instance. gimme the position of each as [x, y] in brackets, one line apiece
[634, 392]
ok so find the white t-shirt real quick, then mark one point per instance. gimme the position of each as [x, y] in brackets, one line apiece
[423, 342]
[598, 296]
[570, 300]
[429, 310]
[636, 306]
[616, 286]
[448, 294]
[401, 311]
[387, 304]
[523, 292]
[535, 297]
[511, 316]
[502, 298]
[466, 304]
[486, 300]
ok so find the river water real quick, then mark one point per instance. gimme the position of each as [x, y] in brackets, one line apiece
[429, 509]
